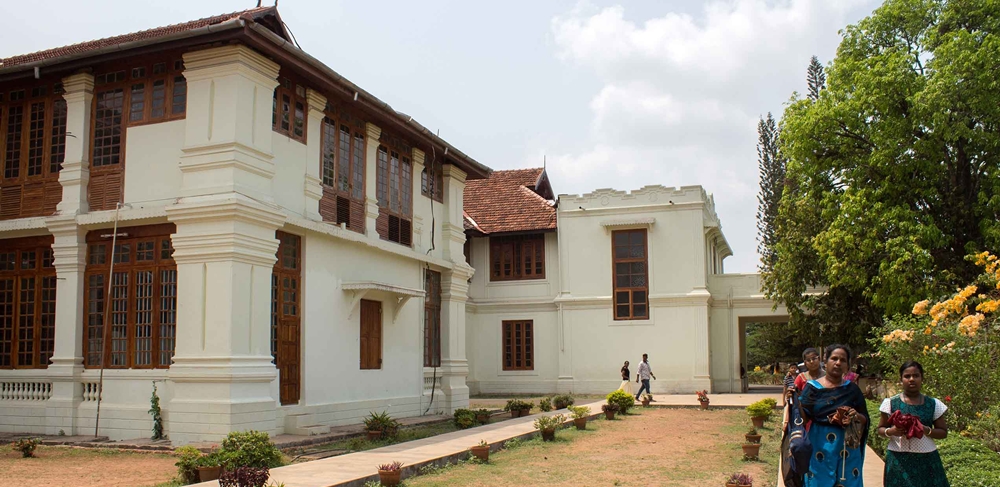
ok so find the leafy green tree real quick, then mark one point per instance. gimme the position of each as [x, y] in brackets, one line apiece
[893, 169]
[772, 179]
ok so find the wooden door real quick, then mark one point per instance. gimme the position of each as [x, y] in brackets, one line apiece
[286, 343]
[371, 334]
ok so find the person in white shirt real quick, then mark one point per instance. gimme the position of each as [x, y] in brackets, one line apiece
[645, 372]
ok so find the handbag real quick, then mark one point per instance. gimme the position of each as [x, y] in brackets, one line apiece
[796, 448]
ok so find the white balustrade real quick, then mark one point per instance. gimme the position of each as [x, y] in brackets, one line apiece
[25, 391]
[90, 391]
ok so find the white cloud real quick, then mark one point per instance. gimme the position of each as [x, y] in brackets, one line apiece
[682, 94]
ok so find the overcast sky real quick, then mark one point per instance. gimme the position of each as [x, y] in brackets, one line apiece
[615, 94]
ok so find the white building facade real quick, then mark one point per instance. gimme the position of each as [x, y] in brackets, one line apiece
[288, 253]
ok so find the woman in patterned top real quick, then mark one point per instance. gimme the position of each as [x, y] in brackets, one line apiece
[913, 462]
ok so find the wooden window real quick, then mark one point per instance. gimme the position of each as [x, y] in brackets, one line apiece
[518, 345]
[371, 334]
[27, 303]
[142, 312]
[288, 111]
[432, 319]
[394, 187]
[343, 169]
[285, 316]
[32, 148]
[432, 181]
[517, 257]
[631, 283]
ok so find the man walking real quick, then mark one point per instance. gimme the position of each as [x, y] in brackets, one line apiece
[644, 374]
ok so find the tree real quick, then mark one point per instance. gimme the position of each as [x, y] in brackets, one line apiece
[815, 78]
[893, 175]
[772, 179]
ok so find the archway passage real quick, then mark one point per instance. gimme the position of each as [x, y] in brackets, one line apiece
[767, 343]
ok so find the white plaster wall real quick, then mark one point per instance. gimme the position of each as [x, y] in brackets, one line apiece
[288, 184]
[152, 154]
[423, 224]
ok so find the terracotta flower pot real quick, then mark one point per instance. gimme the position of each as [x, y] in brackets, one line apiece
[752, 438]
[738, 485]
[483, 418]
[609, 415]
[481, 452]
[704, 404]
[580, 423]
[751, 450]
[390, 478]
[374, 435]
[758, 421]
[549, 434]
[523, 412]
[209, 473]
[645, 403]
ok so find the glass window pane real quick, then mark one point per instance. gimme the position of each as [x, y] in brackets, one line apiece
[621, 297]
[621, 238]
[639, 311]
[637, 237]
[621, 311]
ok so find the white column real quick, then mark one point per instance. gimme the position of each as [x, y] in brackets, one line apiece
[75, 173]
[454, 364]
[417, 158]
[452, 227]
[314, 157]
[70, 250]
[371, 171]
[224, 249]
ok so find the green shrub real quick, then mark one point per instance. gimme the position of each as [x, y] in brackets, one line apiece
[968, 462]
[986, 428]
[545, 404]
[464, 418]
[382, 422]
[760, 409]
[579, 412]
[771, 402]
[483, 412]
[623, 400]
[549, 422]
[517, 405]
[187, 464]
[562, 401]
[249, 449]
[26, 446]
[875, 440]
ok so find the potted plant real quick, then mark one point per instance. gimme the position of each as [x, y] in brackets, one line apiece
[245, 477]
[187, 464]
[759, 412]
[580, 414]
[545, 404]
[609, 411]
[752, 436]
[562, 401]
[548, 424]
[751, 451]
[209, 467]
[373, 426]
[517, 408]
[482, 451]
[26, 446]
[390, 474]
[739, 480]
[646, 398]
[483, 416]
[623, 400]
[703, 398]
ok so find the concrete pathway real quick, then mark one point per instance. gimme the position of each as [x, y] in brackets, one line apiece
[355, 469]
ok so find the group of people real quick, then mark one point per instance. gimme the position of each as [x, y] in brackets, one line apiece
[837, 424]
[642, 377]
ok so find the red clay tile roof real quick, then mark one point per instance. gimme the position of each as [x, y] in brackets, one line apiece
[84, 47]
[506, 202]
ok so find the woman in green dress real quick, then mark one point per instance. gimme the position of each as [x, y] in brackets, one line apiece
[912, 461]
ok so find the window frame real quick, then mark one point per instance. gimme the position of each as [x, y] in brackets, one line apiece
[395, 215]
[509, 360]
[291, 87]
[95, 305]
[337, 204]
[630, 289]
[433, 188]
[44, 275]
[519, 258]
[432, 318]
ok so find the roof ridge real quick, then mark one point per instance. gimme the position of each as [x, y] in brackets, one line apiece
[221, 17]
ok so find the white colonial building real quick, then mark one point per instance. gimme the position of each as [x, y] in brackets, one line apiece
[206, 208]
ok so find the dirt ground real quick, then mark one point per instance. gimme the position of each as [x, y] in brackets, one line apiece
[662, 447]
[65, 466]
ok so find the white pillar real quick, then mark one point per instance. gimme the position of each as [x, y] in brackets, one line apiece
[314, 158]
[225, 249]
[75, 173]
[371, 172]
[452, 226]
[70, 251]
[454, 364]
[417, 158]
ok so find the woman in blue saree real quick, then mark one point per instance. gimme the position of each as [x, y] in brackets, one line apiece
[836, 407]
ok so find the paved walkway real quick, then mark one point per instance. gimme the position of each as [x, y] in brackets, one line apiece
[354, 469]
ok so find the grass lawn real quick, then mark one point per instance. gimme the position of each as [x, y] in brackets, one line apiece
[58, 466]
[657, 446]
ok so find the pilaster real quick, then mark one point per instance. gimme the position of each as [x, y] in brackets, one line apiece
[454, 363]
[222, 373]
[227, 138]
[371, 173]
[417, 159]
[313, 184]
[75, 173]
[70, 250]
[452, 228]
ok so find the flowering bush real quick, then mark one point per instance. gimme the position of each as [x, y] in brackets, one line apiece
[955, 340]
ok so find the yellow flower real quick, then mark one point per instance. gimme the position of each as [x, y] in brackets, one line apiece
[927, 347]
[988, 306]
[756, 369]
[920, 308]
[927, 331]
[970, 324]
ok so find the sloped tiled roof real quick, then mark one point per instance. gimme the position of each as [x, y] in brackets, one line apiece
[507, 202]
[84, 47]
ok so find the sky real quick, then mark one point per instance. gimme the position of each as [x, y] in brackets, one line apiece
[611, 94]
